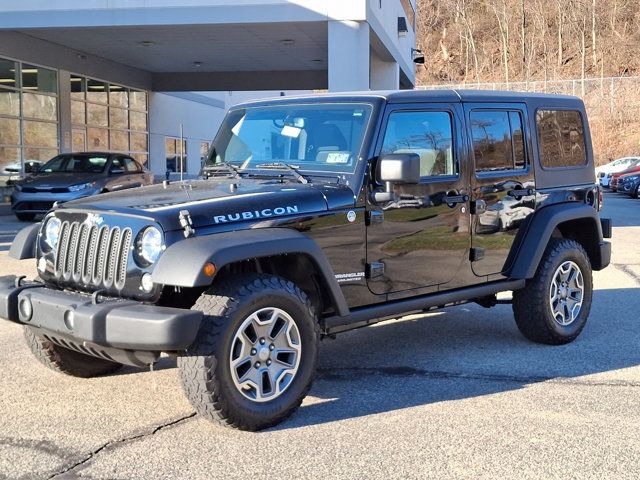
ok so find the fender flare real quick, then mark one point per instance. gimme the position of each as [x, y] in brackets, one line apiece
[532, 240]
[24, 243]
[181, 264]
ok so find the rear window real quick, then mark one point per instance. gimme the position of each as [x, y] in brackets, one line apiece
[561, 138]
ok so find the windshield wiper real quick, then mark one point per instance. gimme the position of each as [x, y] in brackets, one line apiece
[229, 166]
[281, 165]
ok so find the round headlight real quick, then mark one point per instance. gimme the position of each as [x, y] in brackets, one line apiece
[149, 245]
[52, 231]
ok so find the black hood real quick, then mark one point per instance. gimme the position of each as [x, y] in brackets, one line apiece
[224, 201]
[60, 179]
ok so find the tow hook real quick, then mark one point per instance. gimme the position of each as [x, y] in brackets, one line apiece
[186, 223]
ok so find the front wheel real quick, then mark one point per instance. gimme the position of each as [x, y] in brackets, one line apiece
[635, 193]
[554, 305]
[255, 356]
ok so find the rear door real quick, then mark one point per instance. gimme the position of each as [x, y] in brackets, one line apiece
[135, 173]
[503, 187]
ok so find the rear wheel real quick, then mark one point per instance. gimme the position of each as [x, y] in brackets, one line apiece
[25, 217]
[635, 193]
[255, 356]
[67, 361]
[554, 305]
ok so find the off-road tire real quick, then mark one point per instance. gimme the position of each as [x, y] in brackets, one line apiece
[635, 193]
[25, 217]
[204, 367]
[67, 361]
[531, 307]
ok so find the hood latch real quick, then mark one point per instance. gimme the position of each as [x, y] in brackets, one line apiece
[186, 223]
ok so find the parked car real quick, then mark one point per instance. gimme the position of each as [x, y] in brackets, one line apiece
[365, 207]
[613, 183]
[75, 175]
[630, 184]
[11, 172]
[604, 172]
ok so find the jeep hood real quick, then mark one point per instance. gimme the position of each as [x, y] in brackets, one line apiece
[216, 202]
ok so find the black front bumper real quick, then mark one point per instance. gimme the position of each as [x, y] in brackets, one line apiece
[125, 331]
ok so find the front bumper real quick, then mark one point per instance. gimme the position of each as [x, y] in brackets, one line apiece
[125, 331]
[42, 202]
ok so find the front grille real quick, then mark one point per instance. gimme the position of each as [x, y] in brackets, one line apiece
[92, 254]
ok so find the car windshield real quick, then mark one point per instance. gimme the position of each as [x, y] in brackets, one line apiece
[315, 137]
[75, 164]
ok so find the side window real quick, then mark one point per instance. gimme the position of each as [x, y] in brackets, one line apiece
[116, 164]
[498, 140]
[428, 134]
[131, 166]
[561, 138]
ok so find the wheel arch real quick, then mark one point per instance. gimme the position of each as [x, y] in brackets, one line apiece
[279, 251]
[576, 221]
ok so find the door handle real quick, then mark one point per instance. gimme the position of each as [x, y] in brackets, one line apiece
[521, 192]
[453, 200]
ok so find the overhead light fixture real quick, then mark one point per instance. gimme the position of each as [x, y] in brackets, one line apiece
[316, 60]
[403, 28]
[417, 56]
[146, 43]
[287, 42]
[197, 64]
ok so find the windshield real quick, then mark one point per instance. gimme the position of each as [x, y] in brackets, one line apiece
[319, 137]
[75, 164]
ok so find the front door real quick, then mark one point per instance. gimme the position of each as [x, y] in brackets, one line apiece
[420, 236]
[503, 194]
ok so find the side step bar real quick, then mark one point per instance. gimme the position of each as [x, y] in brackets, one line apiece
[363, 316]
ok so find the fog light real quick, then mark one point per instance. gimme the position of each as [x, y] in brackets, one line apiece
[42, 264]
[26, 309]
[146, 283]
[69, 319]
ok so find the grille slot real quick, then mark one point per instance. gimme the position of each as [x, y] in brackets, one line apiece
[96, 256]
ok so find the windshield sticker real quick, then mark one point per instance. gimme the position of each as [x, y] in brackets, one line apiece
[289, 131]
[338, 157]
[264, 213]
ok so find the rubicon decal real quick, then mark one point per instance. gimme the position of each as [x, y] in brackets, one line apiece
[250, 215]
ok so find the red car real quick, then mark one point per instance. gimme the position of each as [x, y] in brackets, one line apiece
[613, 184]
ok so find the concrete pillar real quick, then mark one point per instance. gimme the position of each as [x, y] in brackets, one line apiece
[348, 55]
[384, 75]
[64, 110]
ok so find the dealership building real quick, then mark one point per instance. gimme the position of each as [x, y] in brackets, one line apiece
[131, 75]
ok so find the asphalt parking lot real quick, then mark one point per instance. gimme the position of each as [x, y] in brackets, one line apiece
[454, 394]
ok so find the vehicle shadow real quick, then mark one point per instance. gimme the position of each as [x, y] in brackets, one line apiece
[463, 353]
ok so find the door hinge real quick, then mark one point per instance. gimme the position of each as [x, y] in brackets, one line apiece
[478, 207]
[374, 217]
[476, 254]
[374, 269]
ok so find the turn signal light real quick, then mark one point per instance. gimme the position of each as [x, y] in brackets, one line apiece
[209, 269]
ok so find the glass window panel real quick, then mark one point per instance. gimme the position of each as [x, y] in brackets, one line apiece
[428, 134]
[138, 100]
[38, 78]
[141, 158]
[78, 87]
[8, 155]
[204, 151]
[118, 96]
[119, 140]
[561, 138]
[39, 154]
[138, 121]
[77, 112]
[97, 115]
[43, 107]
[8, 71]
[174, 161]
[9, 103]
[138, 142]
[96, 91]
[9, 131]
[492, 146]
[518, 139]
[118, 117]
[40, 134]
[97, 139]
[79, 140]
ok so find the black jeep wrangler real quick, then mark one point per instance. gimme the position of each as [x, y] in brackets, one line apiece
[318, 215]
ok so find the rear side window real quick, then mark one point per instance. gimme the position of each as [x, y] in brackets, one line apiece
[498, 140]
[561, 138]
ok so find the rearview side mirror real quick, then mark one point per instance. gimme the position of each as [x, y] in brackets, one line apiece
[401, 168]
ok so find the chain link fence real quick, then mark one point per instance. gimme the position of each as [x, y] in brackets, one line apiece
[613, 106]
